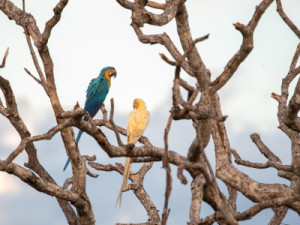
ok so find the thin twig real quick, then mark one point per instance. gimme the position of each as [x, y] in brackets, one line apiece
[167, 167]
[178, 63]
[167, 60]
[90, 158]
[286, 19]
[182, 58]
[245, 49]
[164, 40]
[30, 74]
[263, 148]
[144, 159]
[104, 111]
[111, 120]
[27, 140]
[180, 175]
[4, 58]
[274, 202]
[295, 58]
[268, 164]
[186, 86]
[53, 21]
[35, 61]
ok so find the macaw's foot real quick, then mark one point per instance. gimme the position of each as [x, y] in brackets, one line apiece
[130, 146]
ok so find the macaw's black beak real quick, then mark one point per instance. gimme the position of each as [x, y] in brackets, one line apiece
[112, 73]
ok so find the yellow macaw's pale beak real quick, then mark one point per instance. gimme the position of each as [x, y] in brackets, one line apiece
[135, 104]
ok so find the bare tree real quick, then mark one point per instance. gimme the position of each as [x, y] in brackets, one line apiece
[205, 112]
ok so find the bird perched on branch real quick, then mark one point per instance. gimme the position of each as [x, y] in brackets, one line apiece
[95, 95]
[137, 124]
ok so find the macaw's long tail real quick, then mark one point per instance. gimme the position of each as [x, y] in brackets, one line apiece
[78, 136]
[77, 140]
[66, 165]
[125, 180]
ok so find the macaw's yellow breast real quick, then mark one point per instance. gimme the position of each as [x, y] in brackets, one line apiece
[108, 77]
[137, 124]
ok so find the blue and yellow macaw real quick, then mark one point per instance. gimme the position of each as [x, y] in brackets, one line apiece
[137, 124]
[95, 95]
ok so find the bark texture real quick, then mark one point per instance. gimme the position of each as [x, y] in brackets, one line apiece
[202, 106]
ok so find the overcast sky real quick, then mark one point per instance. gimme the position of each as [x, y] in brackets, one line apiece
[95, 34]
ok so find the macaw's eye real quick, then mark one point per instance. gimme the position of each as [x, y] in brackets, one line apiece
[112, 73]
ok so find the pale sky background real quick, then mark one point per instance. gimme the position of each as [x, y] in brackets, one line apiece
[93, 34]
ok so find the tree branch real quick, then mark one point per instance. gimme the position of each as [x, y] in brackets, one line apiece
[41, 184]
[4, 58]
[53, 21]
[274, 202]
[42, 80]
[25, 141]
[137, 187]
[164, 40]
[140, 15]
[246, 47]
[286, 19]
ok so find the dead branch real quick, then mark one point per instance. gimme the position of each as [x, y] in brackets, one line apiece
[33, 77]
[166, 166]
[206, 115]
[164, 40]
[279, 215]
[4, 58]
[113, 123]
[137, 187]
[178, 62]
[25, 141]
[263, 148]
[246, 47]
[295, 58]
[12, 114]
[291, 119]
[42, 80]
[41, 184]
[140, 15]
[165, 58]
[286, 19]
[275, 164]
[53, 21]
[197, 197]
[274, 202]
[28, 23]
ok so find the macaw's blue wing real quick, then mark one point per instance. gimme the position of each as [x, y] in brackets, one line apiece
[96, 94]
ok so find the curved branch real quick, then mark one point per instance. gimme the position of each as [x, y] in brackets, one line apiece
[4, 58]
[274, 202]
[53, 21]
[246, 47]
[140, 15]
[164, 40]
[41, 184]
[195, 62]
[286, 19]
[31, 139]
[137, 187]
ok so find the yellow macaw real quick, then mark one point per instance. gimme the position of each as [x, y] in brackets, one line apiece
[137, 124]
